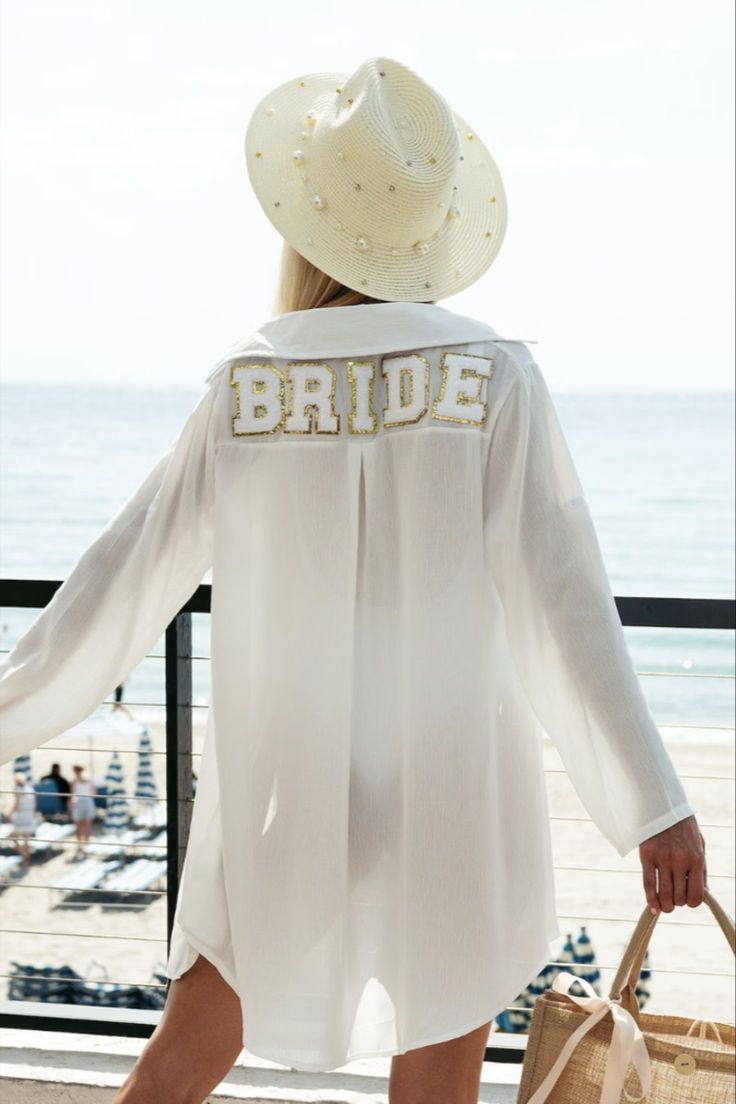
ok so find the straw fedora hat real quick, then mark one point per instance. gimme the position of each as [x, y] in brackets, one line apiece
[375, 180]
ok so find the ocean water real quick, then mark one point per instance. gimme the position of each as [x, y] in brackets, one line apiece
[657, 469]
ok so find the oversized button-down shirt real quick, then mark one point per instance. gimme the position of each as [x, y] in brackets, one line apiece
[407, 591]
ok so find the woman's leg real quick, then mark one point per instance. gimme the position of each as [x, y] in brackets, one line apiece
[23, 845]
[194, 1044]
[443, 1073]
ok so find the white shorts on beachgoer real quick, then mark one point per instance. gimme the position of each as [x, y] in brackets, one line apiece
[83, 808]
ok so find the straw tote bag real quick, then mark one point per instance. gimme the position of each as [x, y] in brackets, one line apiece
[580, 1049]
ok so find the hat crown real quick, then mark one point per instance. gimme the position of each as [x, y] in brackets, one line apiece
[384, 153]
[377, 182]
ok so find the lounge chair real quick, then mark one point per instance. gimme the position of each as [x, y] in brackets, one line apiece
[86, 875]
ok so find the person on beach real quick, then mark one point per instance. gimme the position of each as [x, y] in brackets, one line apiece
[63, 786]
[23, 815]
[408, 588]
[82, 807]
[118, 704]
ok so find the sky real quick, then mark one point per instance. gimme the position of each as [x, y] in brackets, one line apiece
[132, 248]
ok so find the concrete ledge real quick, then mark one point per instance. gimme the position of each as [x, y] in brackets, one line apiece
[50, 1067]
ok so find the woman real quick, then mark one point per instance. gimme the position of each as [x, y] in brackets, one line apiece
[82, 807]
[407, 583]
[23, 816]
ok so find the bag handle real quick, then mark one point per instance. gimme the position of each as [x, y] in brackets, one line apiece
[624, 984]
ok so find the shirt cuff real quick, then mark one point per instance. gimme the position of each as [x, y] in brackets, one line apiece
[665, 820]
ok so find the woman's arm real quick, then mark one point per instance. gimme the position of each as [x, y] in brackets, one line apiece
[563, 626]
[118, 598]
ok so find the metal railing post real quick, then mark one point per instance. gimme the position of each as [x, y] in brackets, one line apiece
[178, 755]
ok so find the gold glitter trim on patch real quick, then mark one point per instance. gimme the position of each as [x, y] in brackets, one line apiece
[405, 371]
[353, 381]
[311, 411]
[258, 387]
[461, 397]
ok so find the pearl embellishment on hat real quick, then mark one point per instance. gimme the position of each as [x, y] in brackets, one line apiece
[421, 247]
[311, 117]
[318, 202]
[297, 157]
[362, 244]
[453, 212]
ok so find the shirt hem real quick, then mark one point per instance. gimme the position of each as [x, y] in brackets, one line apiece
[207, 952]
[281, 1058]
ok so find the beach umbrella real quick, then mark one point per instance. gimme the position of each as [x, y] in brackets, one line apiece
[643, 990]
[517, 1017]
[576, 957]
[585, 958]
[116, 816]
[22, 765]
[145, 787]
[566, 956]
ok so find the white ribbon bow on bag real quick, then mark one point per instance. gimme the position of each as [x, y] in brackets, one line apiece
[627, 1045]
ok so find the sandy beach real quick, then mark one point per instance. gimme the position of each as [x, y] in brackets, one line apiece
[691, 966]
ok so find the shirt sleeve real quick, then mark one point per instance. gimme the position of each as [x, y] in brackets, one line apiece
[562, 624]
[118, 598]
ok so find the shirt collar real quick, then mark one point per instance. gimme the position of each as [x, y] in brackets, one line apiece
[361, 329]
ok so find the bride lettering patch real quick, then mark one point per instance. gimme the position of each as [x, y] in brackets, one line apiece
[302, 397]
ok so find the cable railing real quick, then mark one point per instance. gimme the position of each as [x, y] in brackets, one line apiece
[177, 712]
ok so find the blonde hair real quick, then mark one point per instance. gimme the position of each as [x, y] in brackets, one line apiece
[20, 779]
[303, 286]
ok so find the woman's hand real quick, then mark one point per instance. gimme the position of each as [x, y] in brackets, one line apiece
[674, 867]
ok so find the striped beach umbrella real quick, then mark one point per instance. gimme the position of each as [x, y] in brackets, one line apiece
[566, 956]
[518, 1016]
[22, 765]
[145, 787]
[585, 959]
[575, 957]
[643, 990]
[116, 815]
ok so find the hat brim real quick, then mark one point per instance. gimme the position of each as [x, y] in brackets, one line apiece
[464, 249]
